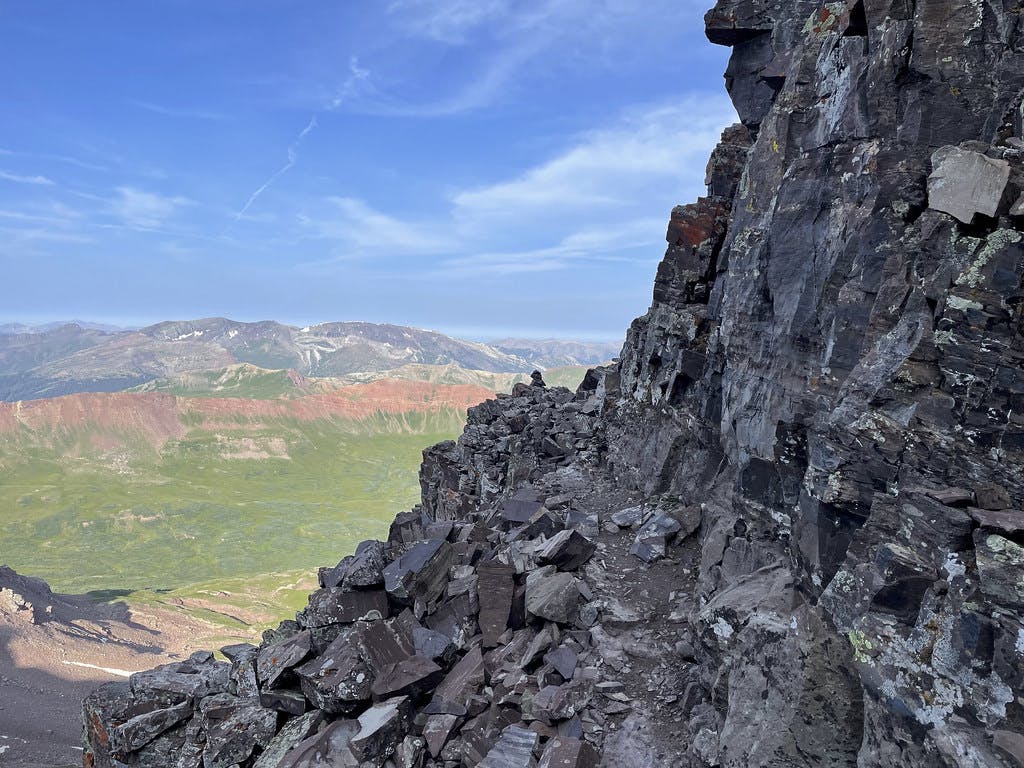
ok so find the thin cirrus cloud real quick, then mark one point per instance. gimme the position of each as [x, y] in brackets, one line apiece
[360, 230]
[179, 112]
[511, 43]
[145, 210]
[39, 181]
[591, 201]
[447, 22]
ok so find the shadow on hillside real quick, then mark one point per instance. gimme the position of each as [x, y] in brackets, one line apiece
[40, 710]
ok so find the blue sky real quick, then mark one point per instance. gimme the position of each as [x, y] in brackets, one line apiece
[483, 167]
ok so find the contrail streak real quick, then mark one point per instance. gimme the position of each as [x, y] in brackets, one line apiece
[293, 155]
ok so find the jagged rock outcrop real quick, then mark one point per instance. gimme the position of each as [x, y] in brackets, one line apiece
[785, 530]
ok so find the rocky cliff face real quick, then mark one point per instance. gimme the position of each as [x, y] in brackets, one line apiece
[785, 530]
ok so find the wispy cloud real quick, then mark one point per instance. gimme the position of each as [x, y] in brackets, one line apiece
[360, 230]
[78, 163]
[351, 89]
[179, 112]
[511, 42]
[602, 198]
[448, 22]
[652, 153]
[145, 210]
[293, 156]
[41, 181]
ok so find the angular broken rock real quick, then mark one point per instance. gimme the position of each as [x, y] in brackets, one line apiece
[421, 573]
[1009, 522]
[437, 730]
[464, 679]
[1001, 568]
[630, 517]
[235, 728]
[553, 597]
[431, 644]
[963, 183]
[565, 752]
[295, 730]
[330, 747]
[274, 660]
[336, 606]
[381, 728]
[413, 676]
[514, 749]
[561, 702]
[173, 683]
[651, 539]
[338, 679]
[496, 587]
[520, 508]
[284, 700]
[362, 570]
[383, 643]
[567, 550]
[564, 661]
[142, 729]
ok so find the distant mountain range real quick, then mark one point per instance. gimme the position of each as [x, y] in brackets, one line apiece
[60, 359]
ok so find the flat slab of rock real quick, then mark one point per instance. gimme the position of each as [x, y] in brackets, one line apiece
[964, 183]
[563, 752]
[514, 749]
[1006, 521]
[381, 728]
[410, 677]
[142, 729]
[337, 606]
[496, 586]
[464, 679]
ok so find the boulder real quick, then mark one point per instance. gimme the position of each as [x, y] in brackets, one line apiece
[567, 550]
[553, 597]
[964, 183]
[419, 574]
[275, 660]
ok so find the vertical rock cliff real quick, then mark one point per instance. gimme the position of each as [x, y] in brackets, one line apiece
[784, 530]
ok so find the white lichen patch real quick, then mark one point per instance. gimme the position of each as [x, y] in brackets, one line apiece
[962, 304]
[723, 629]
[953, 567]
[1001, 238]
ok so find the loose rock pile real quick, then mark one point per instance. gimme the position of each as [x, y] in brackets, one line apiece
[465, 642]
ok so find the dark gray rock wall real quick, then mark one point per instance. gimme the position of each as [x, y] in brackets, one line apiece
[858, 354]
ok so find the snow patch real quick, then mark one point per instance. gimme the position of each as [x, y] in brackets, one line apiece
[108, 670]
